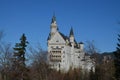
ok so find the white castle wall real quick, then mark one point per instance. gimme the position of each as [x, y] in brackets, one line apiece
[62, 56]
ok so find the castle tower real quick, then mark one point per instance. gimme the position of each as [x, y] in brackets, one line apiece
[53, 26]
[71, 36]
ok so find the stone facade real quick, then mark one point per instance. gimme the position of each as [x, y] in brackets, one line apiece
[64, 52]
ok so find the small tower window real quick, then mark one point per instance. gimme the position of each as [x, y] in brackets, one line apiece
[59, 65]
[57, 41]
[57, 47]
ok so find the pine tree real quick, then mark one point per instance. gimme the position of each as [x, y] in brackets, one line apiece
[19, 58]
[117, 60]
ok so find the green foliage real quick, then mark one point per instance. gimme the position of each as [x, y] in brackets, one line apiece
[19, 66]
[20, 49]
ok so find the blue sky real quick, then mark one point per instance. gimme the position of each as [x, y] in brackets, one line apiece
[91, 20]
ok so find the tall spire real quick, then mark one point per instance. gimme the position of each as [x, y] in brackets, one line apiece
[71, 32]
[53, 19]
[53, 25]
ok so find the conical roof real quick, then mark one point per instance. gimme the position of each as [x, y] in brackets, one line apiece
[53, 19]
[71, 32]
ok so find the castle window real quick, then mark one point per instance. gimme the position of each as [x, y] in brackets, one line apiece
[57, 41]
[57, 47]
[59, 51]
[59, 65]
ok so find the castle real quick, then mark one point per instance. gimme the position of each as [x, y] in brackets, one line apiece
[64, 52]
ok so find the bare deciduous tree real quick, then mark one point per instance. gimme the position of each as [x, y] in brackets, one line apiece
[92, 51]
[39, 67]
[91, 48]
[5, 58]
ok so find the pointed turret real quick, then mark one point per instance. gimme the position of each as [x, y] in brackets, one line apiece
[53, 19]
[72, 43]
[71, 35]
[53, 26]
[71, 32]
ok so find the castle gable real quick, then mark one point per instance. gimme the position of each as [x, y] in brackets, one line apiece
[57, 39]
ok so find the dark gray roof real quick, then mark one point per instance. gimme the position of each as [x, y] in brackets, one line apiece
[64, 37]
[81, 43]
[53, 19]
[71, 32]
[49, 36]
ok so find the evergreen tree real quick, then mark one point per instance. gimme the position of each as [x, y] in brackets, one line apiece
[19, 58]
[117, 60]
